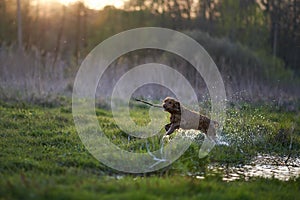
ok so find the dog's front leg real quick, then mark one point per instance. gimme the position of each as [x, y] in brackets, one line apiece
[167, 126]
[172, 128]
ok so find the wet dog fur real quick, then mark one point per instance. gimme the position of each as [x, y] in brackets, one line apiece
[181, 117]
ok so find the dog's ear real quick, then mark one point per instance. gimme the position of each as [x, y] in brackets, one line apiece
[177, 105]
[166, 99]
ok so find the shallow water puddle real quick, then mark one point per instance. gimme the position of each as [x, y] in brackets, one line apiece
[264, 166]
[265, 171]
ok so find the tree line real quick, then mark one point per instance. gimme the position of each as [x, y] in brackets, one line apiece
[265, 26]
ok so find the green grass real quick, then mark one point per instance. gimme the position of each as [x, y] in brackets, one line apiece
[88, 186]
[42, 157]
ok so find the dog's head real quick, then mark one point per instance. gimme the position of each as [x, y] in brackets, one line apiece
[171, 105]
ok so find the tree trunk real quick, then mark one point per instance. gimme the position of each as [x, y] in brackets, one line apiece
[78, 33]
[20, 34]
[60, 33]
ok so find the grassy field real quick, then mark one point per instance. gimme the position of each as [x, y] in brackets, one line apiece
[42, 157]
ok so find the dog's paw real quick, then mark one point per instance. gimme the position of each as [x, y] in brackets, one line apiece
[166, 138]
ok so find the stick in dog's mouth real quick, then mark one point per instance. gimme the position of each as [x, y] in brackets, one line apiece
[150, 104]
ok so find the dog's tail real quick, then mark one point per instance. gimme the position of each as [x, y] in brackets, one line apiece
[216, 124]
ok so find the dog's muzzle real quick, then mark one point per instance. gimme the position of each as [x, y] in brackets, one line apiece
[165, 106]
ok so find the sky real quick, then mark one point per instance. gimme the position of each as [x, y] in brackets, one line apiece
[94, 4]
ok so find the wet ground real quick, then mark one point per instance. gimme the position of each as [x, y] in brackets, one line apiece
[265, 166]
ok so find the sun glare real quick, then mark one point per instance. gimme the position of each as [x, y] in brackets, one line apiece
[96, 4]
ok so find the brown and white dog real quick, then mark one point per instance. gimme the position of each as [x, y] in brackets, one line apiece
[184, 118]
